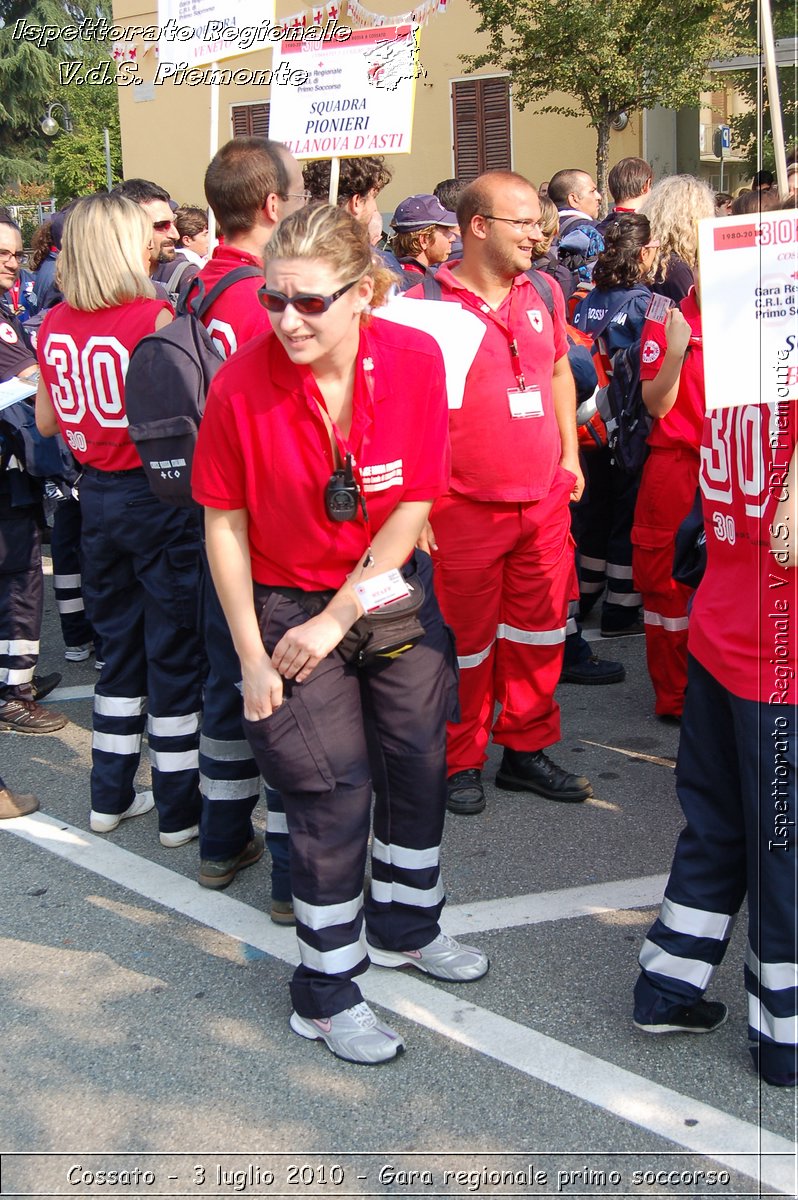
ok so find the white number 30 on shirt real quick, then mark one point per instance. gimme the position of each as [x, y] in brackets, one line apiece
[93, 378]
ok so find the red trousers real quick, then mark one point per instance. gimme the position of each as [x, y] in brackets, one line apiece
[666, 495]
[504, 574]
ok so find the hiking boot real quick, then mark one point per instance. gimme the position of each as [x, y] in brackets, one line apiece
[282, 912]
[12, 805]
[443, 958]
[44, 684]
[633, 630]
[594, 670]
[100, 822]
[705, 1016]
[534, 771]
[26, 716]
[465, 794]
[354, 1035]
[220, 875]
[180, 837]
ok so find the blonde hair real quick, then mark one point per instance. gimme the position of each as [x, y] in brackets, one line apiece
[104, 243]
[674, 206]
[334, 236]
[549, 224]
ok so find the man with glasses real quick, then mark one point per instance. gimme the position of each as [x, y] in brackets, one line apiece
[21, 581]
[504, 557]
[251, 184]
[155, 201]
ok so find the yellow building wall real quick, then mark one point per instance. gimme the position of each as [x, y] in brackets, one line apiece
[167, 138]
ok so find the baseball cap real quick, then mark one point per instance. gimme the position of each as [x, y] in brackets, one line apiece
[417, 212]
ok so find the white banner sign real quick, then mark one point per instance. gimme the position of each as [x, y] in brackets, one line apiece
[203, 31]
[356, 98]
[749, 308]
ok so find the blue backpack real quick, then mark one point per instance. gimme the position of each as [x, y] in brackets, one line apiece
[626, 417]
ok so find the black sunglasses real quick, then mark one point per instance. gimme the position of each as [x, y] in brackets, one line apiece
[307, 303]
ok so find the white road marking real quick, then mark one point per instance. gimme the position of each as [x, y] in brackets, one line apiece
[61, 694]
[536, 907]
[753, 1151]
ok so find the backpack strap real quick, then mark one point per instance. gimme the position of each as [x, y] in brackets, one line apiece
[432, 289]
[543, 288]
[172, 284]
[201, 302]
[571, 222]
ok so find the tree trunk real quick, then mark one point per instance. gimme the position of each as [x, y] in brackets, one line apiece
[602, 161]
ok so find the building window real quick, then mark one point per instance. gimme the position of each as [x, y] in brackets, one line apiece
[250, 120]
[481, 121]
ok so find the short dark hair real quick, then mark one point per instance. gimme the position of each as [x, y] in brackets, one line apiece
[564, 182]
[141, 191]
[358, 177]
[763, 179]
[239, 178]
[476, 197]
[191, 221]
[619, 264]
[449, 191]
[628, 178]
[754, 202]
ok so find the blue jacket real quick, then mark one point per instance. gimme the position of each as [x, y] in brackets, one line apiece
[628, 308]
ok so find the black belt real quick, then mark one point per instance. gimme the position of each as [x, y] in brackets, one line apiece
[98, 474]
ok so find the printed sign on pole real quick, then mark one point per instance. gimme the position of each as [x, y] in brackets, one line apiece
[196, 32]
[749, 309]
[357, 98]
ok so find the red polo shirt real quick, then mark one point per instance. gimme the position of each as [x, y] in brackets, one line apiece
[263, 446]
[238, 315]
[681, 428]
[496, 457]
[83, 358]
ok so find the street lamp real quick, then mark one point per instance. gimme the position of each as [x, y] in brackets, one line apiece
[48, 124]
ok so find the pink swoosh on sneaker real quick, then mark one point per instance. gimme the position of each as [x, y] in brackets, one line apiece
[324, 1026]
[412, 953]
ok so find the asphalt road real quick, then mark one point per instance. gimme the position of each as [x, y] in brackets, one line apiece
[145, 1044]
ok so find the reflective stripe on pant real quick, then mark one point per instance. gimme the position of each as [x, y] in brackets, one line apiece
[65, 550]
[504, 576]
[229, 777]
[666, 497]
[315, 749]
[21, 605]
[736, 781]
[140, 581]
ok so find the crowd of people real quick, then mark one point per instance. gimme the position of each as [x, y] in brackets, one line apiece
[349, 612]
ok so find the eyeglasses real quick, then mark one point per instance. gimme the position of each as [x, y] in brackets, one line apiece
[520, 223]
[309, 304]
[19, 255]
[305, 197]
[162, 226]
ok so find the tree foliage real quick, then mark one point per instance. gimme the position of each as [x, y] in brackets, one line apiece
[611, 56]
[744, 127]
[30, 80]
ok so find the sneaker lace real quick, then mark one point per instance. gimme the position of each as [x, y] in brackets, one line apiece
[363, 1015]
[443, 939]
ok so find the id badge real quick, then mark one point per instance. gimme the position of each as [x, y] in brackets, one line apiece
[381, 589]
[658, 308]
[525, 402]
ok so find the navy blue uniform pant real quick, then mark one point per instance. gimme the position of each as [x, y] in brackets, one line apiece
[21, 604]
[602, 529]
[229, 779]
[140, 583]
[736, 782]
[67, 582]
[338, 737]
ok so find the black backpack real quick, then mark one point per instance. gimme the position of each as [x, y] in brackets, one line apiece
[626, 417]
[166, 384]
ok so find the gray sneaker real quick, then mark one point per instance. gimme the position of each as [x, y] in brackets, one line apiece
[444, 958]
[354, 1035]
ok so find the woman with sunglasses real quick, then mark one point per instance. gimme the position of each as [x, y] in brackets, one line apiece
[140, 557]
[322, 447]
[615, 311]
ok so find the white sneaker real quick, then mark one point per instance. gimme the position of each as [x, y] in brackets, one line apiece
[106, 822]
[354, 1035]
[78, 653]
[443, 958]
[180, 837]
